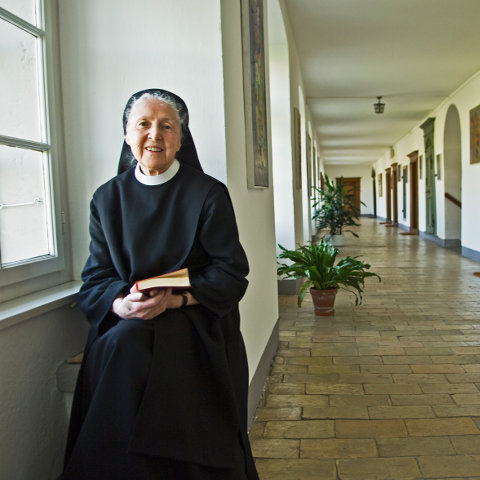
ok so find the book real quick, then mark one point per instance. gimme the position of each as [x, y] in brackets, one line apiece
[177, 280]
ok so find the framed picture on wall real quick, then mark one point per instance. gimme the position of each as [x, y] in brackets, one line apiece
[439, 166]
[308, 148]
[256, 128]
[475, 135]
[297, 159]
[380, 185]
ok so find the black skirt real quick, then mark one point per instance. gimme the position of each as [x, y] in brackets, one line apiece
[163, 399]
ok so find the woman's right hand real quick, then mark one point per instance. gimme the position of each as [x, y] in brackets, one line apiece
[143, 305]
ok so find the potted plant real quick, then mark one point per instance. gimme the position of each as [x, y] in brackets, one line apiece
[316, 263]
[335, 210]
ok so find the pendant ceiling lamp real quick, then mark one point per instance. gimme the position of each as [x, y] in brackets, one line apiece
[379, 106]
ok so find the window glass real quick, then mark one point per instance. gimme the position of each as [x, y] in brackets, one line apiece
[24, 203]
[25, 9]
[19, 89]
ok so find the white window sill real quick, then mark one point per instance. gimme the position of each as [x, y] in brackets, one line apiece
[28, 306]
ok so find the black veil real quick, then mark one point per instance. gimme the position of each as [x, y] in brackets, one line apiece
[187, 153]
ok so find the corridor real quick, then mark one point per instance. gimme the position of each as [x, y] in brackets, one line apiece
[389, 390]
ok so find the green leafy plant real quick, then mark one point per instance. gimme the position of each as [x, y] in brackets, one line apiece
[316, 263]
[335, 210]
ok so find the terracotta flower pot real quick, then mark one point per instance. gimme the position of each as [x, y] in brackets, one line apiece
[323, 301]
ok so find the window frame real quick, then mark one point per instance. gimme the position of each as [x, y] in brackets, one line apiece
[50, 270]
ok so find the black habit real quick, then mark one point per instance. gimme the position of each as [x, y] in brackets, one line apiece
[165, 398]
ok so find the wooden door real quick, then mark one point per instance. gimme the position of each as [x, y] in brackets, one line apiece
[413, 192]
[352, 190]
[388, 194]
[430, 198]
[394, 180]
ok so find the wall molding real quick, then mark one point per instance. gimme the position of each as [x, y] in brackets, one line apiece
[259, 379]
[289, 286]
[471, 254]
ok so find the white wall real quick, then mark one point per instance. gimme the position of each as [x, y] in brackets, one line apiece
[281, 125]
[465, 98]
[33, 422]
[253, 207]
[366, 188]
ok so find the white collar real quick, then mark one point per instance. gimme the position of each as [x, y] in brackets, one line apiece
[157, 179]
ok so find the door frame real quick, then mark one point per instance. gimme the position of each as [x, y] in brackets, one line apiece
[413, 180]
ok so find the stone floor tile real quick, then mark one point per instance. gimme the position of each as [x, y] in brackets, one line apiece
[296, 401]
[351, 411]
[467, 399]
[300, 429]
[286, 388]
[459, 359]
[370, 428]
[390, 389]
[337, 448]
[288, 369]
[425, 399]
[345, 401]
[264, 414]
[404, 359]
[449, 388]
[437, 368]
[419, 378]
[301, 469]
[275, 448]
[256, 430]
[341, 389]
[441, 427]
[463, 377]
[414, 446]
[319, 361]
[456, 410]
[378, 378]
[409, 411]
[378, 469]
[356, 360]
[442, 466]
[374, 369]
[467, 444]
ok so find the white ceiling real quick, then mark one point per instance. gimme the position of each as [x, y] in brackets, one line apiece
[413, 53]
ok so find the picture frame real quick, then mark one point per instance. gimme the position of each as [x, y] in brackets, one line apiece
[308, 148]
[380, 185]
[297, 157]
[475, 135]
[254, 82]
[438, 166]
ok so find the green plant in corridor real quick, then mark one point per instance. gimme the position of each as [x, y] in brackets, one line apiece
[335, 209]
[316, 263]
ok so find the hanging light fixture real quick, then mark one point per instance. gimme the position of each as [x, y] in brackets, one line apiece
[379, 106]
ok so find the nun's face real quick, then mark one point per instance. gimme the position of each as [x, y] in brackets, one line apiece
[154, 135]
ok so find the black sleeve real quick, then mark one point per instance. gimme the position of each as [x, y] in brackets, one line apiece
[221, 284]
[101, 280]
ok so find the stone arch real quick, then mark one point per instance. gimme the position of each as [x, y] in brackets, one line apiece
[452, 153]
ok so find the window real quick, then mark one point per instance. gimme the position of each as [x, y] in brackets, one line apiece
[29, 218]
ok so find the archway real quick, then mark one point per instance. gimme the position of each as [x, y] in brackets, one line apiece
[452, 152]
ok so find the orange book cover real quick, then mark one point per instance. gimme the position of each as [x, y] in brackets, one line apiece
[178, 279]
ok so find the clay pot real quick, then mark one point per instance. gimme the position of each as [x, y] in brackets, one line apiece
[323, 301]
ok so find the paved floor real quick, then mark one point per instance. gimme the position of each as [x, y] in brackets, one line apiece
[389, 390]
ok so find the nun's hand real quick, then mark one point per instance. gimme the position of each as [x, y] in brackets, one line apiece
[145, 305]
